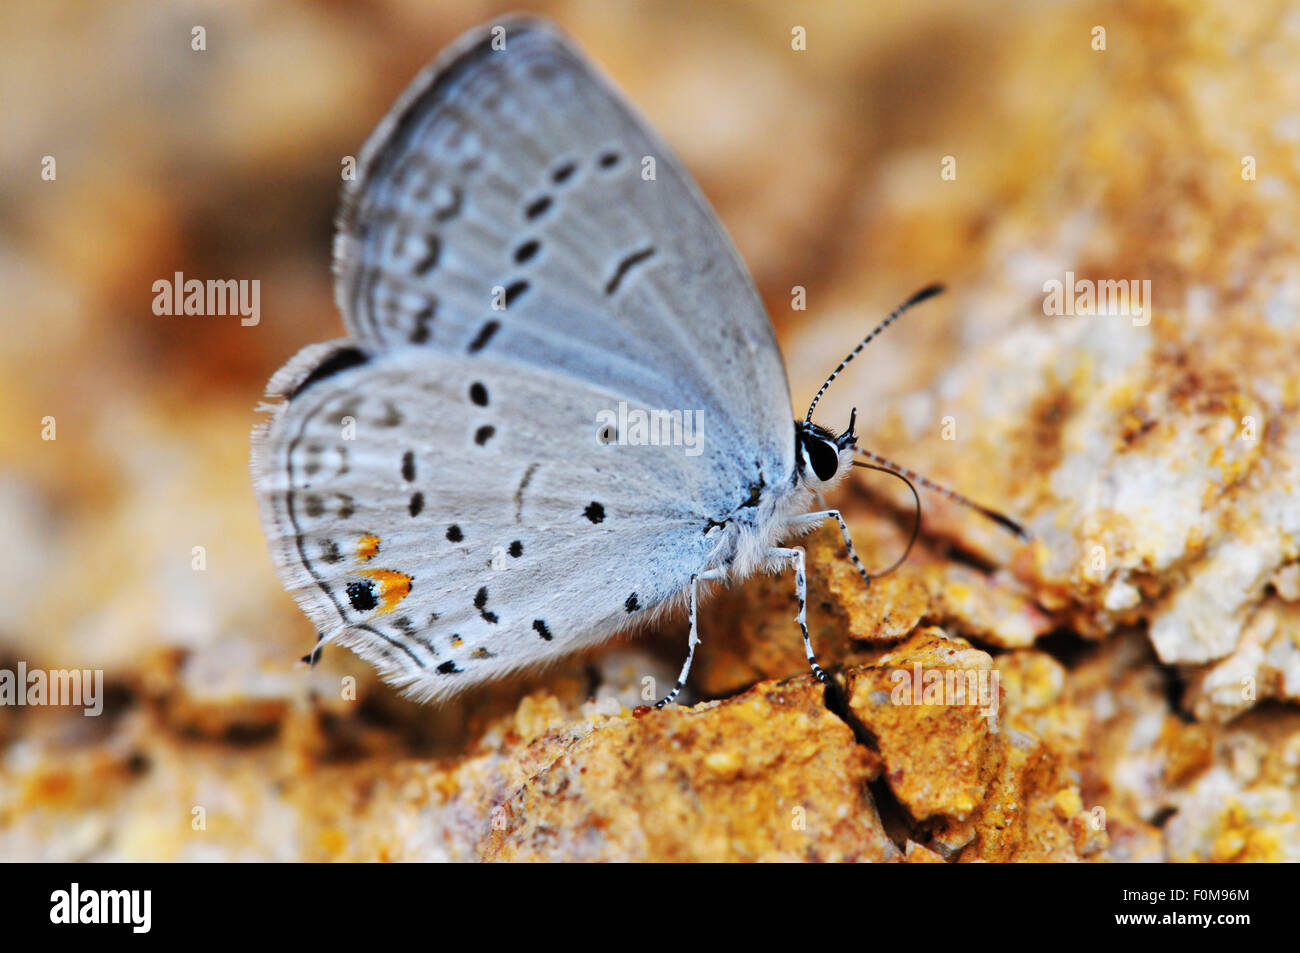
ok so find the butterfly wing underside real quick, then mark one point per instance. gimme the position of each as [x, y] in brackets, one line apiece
[435, 488]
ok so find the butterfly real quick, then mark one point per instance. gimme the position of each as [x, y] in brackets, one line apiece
[458, 489]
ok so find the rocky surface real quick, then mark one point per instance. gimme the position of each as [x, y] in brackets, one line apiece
[1143, 653]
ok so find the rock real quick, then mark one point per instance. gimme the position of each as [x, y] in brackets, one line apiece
[936, 749]
[749, 632]
[767, 775]
[990, 776]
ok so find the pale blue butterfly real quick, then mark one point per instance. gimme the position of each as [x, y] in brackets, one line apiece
[518, 261]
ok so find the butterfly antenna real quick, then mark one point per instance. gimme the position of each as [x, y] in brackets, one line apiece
[929, 291]
[1006, 522]
[916, 523]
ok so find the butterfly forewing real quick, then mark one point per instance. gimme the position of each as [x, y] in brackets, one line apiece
[516, 176]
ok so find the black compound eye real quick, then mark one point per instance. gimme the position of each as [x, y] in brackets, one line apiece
[823, 455]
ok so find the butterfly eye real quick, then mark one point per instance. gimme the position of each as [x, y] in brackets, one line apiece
[822, 456]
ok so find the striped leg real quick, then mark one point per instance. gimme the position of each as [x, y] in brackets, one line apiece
[813, 518]
[694, 639]
[796, 556]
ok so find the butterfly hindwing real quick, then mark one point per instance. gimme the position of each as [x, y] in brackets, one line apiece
[424, 513]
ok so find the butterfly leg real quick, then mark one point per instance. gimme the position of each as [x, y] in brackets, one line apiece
[808, 520]
[795, 555]
[694, 639]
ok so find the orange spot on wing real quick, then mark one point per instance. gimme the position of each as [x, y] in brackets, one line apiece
[367, 547]
[393, 587]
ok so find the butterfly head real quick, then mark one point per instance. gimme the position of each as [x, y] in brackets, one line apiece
[822, 457]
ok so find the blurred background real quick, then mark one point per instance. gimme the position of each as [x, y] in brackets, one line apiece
[828, 165]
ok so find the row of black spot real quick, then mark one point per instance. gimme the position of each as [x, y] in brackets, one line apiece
[538, 207]
[451, 668]
[523, 253]
[426, 263]
[361, 594]
[593, 511]
[456, 535]
[478, 394]
[527, 250]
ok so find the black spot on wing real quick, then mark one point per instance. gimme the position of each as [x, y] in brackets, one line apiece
[484, 335]
[514, 291]
[526, 251]
[362, 596]
[480, 603]
[423, 318]
[432, 251]
[454, 534]
[595, 512]
[540, 627]
[416, 504]
[564, 172]
[632, 604]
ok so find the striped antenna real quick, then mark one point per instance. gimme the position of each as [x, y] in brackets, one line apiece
[929, 291]
[1006, 522]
